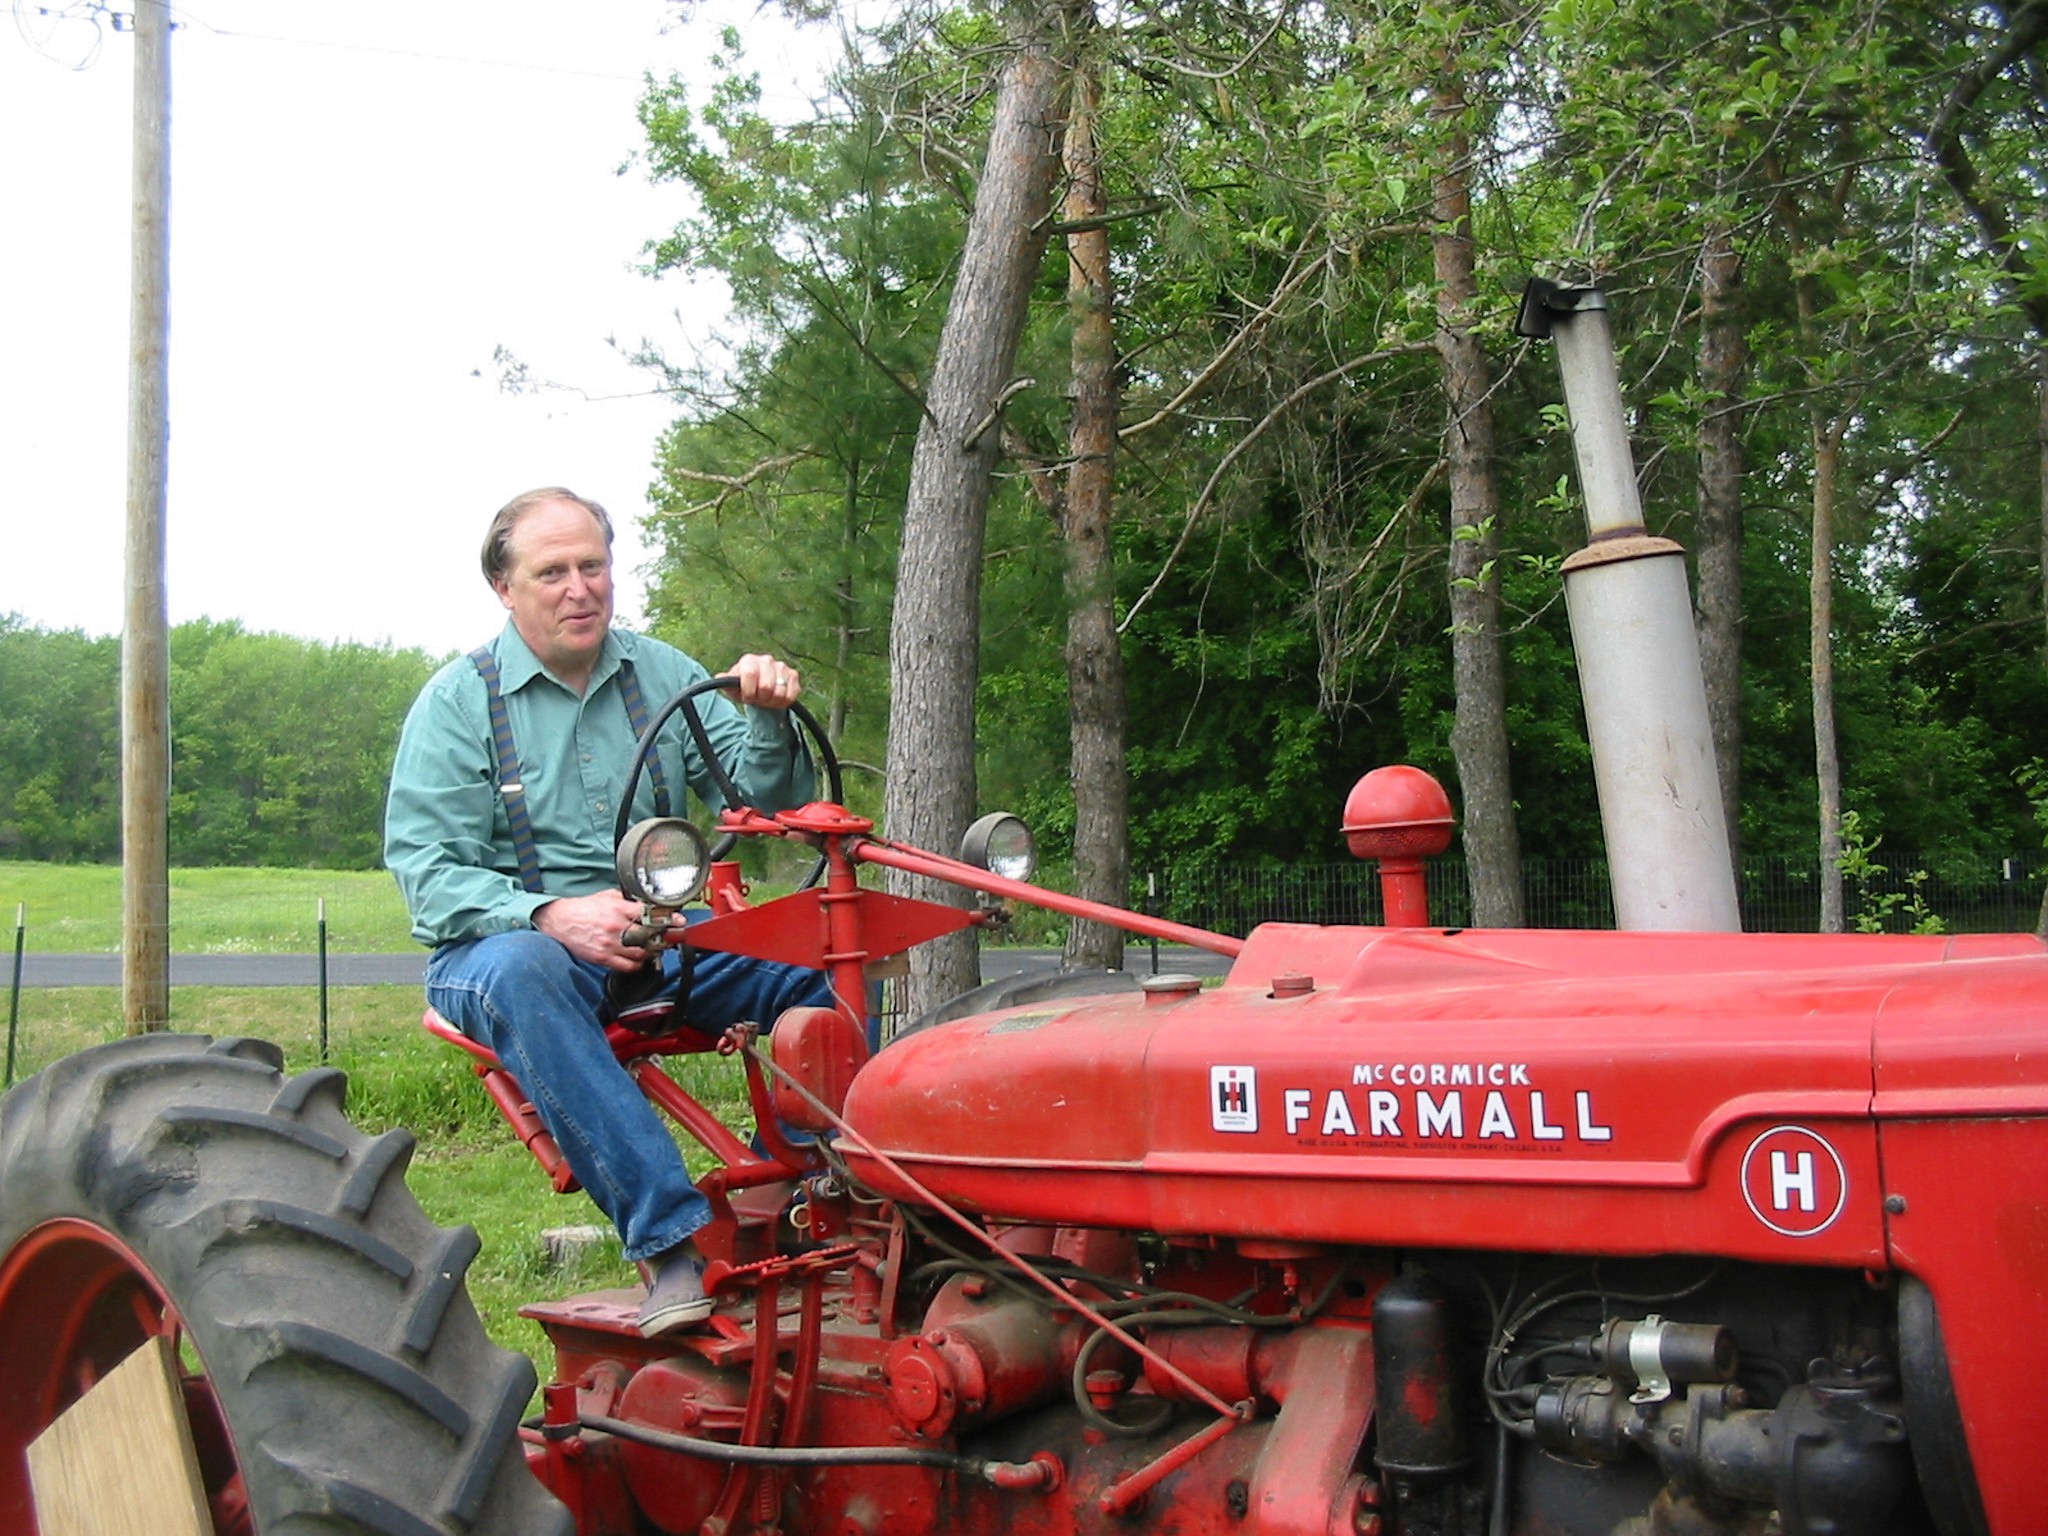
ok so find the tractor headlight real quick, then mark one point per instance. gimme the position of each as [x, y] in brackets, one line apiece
[663, 861]
[1002, 845]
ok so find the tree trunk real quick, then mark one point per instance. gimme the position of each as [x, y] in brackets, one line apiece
[1718, 519]
[1479, 736]
[1827, 763]
[934, 639]
[1827, 431]
[2041, 365]
[842, 597]
[1095, 664]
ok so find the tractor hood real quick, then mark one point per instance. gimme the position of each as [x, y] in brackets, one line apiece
[1634, 1092]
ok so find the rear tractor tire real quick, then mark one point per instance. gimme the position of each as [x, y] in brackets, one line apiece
[335, 1374]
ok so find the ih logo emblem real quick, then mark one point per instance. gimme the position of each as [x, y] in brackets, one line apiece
[1794, 1181]
[1234, 1098]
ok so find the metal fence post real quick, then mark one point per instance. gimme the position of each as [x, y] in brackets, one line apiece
[14, 992]
[1152, 910]
[323, 980]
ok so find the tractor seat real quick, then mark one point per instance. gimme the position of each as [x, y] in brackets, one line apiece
[648, 1030]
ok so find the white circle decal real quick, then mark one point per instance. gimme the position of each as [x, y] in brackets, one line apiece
[1794, 1181]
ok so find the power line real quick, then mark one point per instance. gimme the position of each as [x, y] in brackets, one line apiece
[87, 12]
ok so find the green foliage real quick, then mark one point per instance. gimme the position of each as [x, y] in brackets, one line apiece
[1232, 757]
[59, 741]
[779, 486]
[1281, 535]
[280, 748]
[2032, 777]
[1875, 906]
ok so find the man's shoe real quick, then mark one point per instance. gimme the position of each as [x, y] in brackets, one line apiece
[675, 1292]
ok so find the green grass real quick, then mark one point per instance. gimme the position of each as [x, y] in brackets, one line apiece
[468, 1168]
[77, 907]
[74, 907]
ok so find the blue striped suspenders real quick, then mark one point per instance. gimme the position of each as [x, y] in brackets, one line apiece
[636, 716]
[514, 793]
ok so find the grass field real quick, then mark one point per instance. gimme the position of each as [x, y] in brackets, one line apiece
[468, 1168]
[71, 908]
[74, 907]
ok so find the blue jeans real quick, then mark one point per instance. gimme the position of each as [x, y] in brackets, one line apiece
[535, 1005]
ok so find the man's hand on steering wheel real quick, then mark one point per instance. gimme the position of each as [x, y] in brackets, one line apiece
[765, 683]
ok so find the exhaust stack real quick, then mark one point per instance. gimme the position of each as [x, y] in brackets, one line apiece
[1639, 659]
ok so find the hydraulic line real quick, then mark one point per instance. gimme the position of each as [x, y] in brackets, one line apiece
[1235, 1412]
[1004, 1474]
[1141, 1296]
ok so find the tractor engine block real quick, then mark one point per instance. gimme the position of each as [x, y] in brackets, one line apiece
[1429, 1395]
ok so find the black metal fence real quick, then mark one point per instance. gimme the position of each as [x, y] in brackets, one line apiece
[1998, 895]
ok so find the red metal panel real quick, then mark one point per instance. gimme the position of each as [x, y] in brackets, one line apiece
[1659, 1093]
[1975, 1229]
[1962, 1096]
[1968, 1039]
[793, 930]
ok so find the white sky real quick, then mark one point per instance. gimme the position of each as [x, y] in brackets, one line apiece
[366, 201]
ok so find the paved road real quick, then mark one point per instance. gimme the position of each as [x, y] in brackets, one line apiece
[228, 970]
[98, 970]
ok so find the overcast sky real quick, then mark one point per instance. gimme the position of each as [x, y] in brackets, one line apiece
[366, 202]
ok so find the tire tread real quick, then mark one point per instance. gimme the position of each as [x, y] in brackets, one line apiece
[303, 1343]
[375, 1163]
[419, 1319]
[331, 1314]
[206, 1119]
[262, 1220]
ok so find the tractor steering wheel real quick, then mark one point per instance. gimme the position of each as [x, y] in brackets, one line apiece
[693, 721]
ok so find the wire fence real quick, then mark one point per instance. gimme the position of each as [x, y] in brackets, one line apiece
[1998, 895]
[229, 917]
[227, 912]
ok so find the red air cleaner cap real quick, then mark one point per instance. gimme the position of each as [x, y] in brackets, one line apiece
[1397, 812]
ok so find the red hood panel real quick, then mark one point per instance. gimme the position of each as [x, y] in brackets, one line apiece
[1482, 1076]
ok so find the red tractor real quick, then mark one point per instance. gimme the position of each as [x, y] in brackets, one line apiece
[1399, 1231]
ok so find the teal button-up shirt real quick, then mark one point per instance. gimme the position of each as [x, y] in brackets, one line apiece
[446, 839]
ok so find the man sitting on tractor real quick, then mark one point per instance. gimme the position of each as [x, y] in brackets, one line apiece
[499, 831]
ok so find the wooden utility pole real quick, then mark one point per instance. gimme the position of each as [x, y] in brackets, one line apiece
[145, 644]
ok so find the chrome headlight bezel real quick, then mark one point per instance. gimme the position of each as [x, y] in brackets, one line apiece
[1001, 844]
[663, 861]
